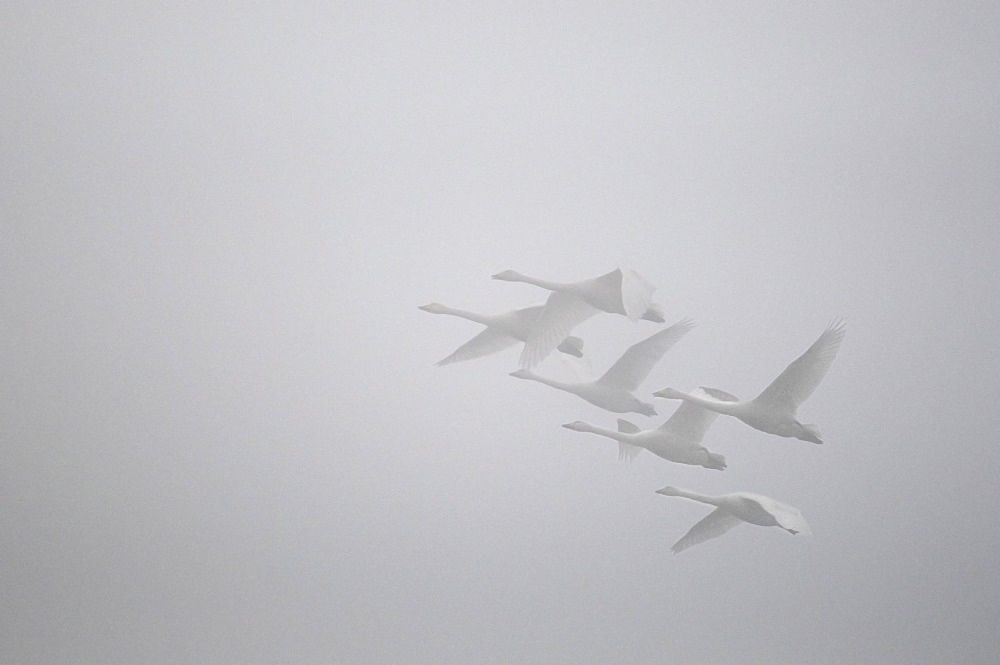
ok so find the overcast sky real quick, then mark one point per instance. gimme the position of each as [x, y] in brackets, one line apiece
[222, 436]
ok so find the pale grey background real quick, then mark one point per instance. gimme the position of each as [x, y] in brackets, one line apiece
[222, 439]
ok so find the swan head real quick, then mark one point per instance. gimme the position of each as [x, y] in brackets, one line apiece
[577, 426]
[509, 276]
[654, 314]
[668, 491]
[522, 374]
[809, 433]
[433, 308]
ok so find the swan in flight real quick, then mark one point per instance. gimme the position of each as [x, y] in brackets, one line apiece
[677, 440]
[613, 390]
[502, 331]
[571, 303]
[734, 509]
[773, 411]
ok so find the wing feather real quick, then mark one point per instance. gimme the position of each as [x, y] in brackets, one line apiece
[637, 293]
[636, 363]
[794, 385]
[485, 343]
[690, 422]
[715, 524]
[562, 312]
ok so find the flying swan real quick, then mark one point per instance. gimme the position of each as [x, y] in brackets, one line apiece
[773, 411]
[677, 440]
[734, 509]
[613, 390]
[503, 331]
[571, 303]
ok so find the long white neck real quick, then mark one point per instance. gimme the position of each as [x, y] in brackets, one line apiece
[462, 314]
[543, 283]
[622, 437]
[687, 494]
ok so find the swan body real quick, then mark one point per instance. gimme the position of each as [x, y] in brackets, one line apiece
[677, 440]
[774, 410]
[613, 390]
[503, 331]
[734, 509]
[571, 303]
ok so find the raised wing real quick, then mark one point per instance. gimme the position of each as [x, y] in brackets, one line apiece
[690, 422]
[800, 378]
[637, 293]
[562, 313]
[635, 364]
[788, 518]
[485, 343]
[627, 451]
[713, 525]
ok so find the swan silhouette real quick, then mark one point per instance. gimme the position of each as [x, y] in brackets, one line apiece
[613, 390]
[503, 331]
[774, 410]
[734, 509]
[677, 440]
[571, 303]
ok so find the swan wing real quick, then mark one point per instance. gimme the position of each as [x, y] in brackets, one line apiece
[627, 451]
[562, 312]
[635, 364]
[713, 525]
[485, 343]
[637, 293]
[690, 422]
[788, 517]
[794, 385]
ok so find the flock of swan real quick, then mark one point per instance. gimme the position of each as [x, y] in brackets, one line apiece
[546, 328]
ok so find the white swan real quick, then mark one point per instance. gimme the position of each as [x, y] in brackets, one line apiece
[502, 331]
[613, 390]
[571, 303]
[734, 509]
[677, 440]
[773, 411]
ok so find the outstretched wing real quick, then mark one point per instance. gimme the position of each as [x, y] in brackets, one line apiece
[635, 364]
[562, 313]
[637, 293]
[690, 422]
[485, 343]
[713, 525]
[800, 378]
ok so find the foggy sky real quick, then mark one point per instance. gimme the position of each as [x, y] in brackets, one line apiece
[222, 436]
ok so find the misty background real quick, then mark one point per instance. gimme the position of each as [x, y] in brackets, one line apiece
[222, 436]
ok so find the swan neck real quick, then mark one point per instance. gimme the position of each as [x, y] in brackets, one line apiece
[464, 314]
[695, 496]
[610, 433]
[542, 283]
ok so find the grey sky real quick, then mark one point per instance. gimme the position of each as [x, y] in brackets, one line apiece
[222, 437]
